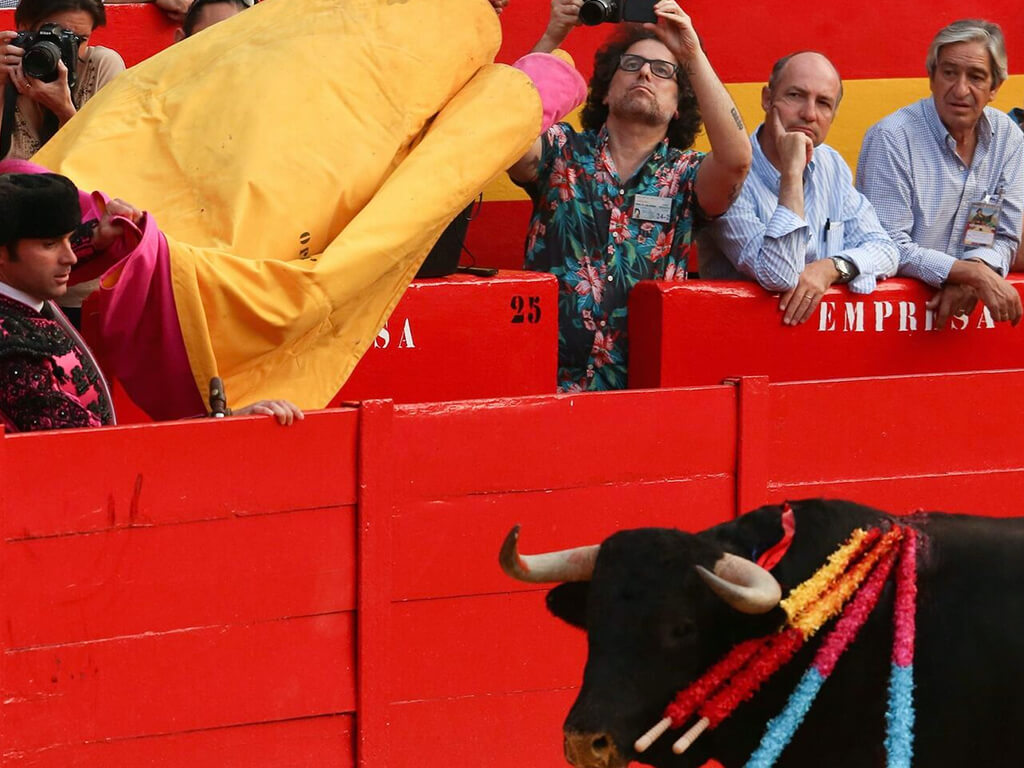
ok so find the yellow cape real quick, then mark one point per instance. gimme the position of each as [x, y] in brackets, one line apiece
[302, 158]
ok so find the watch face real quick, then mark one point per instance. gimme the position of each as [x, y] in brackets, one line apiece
[845, 273]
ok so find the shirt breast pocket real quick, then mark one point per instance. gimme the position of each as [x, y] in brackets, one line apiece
[833, 238]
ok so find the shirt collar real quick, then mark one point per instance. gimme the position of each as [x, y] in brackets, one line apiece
[20, 296]
[941, 133]
[658, 156]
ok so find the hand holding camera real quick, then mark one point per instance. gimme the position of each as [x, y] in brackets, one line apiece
[10, 56]
[53, 95]
[664, 17]
[43, 66]
[594, 12]
[565, 14]
[675, 30]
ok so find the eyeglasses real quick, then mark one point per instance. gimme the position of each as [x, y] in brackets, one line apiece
[630, 62]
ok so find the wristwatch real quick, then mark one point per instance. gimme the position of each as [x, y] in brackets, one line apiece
[846, 268]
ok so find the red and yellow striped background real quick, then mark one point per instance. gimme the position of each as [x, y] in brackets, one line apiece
[879, 49]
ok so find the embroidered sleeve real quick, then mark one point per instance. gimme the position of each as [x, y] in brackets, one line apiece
[31, 398]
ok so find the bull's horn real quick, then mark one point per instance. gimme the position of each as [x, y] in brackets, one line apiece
[743, 584]
[566, 565]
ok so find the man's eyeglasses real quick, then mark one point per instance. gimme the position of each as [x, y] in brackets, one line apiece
[630, 62]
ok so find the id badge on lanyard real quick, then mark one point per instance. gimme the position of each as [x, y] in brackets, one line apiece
[983, 220]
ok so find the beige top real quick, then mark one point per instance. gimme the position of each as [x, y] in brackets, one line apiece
[99, 69]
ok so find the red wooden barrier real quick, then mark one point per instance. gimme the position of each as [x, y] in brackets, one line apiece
[170, 599]
[475, 664]
[701, 332]
[949, 442]
[459, 337]
[449, 338]
[163, 608]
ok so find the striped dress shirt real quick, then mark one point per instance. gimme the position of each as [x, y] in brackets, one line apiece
[923, 191]
[761, 240]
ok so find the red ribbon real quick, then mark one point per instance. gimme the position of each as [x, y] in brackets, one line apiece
[770, 557]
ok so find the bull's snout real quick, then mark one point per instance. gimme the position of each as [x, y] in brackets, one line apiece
[592, 750]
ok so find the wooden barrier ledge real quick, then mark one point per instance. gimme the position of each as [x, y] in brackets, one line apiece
[236, 593]
[702, 332]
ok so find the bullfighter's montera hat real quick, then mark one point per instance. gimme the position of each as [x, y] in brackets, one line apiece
[37, 205]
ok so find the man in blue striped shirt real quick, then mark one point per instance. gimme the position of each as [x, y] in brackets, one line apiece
[946, 175]
[799, 225]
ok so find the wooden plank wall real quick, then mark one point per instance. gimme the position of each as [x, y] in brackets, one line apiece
[697, 332]
[477, 667]
[479, 671]
[950, 442]
[240, 594]
[181, 594]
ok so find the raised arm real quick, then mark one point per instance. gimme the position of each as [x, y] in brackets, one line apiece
[565, 15]
[721, 175]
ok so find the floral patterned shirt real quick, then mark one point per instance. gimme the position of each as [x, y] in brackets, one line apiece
[586, 231]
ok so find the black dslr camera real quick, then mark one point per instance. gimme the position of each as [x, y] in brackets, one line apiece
[594, 12]
[45, 48]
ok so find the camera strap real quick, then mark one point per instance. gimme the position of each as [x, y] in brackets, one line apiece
[7, 130]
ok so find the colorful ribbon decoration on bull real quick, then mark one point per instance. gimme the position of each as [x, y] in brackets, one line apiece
[717, 693]
[899, 717]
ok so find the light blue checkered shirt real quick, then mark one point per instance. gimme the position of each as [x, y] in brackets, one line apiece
[922, 190]
[761, 240]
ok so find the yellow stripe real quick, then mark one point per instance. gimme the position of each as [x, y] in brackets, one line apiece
[865, 102]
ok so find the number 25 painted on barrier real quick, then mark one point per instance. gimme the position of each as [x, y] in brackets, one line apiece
[525, 311]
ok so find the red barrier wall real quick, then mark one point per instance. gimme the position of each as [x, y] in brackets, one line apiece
[701, 332]
[459, 337]
[449, 338]
[328, 595]
[172, 600]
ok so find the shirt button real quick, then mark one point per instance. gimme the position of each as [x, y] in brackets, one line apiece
[610, 278]
[590, 367]
[603, 323]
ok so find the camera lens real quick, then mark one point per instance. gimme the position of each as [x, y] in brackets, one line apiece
[40, 61]
[593, 12]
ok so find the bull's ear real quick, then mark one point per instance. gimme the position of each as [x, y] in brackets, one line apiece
[569, 602]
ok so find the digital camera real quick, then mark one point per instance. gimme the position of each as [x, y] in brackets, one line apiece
[45, 49]
[594, 12]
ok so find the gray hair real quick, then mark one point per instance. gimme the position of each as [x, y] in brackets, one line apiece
[776, 75]
[972, 31]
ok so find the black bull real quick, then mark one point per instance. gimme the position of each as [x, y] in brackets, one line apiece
[653, 625]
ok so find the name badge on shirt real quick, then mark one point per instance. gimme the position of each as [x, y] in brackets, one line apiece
[982, 221]
[652, 208]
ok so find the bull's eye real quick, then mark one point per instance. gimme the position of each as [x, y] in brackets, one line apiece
[678, 633]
